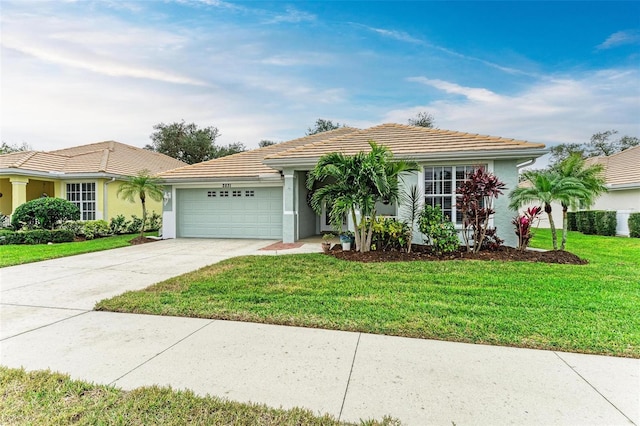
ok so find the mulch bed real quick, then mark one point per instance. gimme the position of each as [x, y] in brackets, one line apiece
[504, 254]
[282, 246]
[142, 240]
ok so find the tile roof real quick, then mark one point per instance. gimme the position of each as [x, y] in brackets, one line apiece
[622, 168]
[107, 157]
[249, 163]
[405, 141]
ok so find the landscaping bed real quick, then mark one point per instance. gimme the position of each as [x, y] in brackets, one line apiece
[424, 253]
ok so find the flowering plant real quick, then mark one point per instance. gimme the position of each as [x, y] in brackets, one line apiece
[523, 224]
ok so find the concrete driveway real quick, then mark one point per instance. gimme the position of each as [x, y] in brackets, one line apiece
[47, 322]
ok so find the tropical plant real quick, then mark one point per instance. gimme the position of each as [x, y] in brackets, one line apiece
[352, 184]
[45, 213]
[591, 179]
[438, 230]
[141, 186]
[475, 201]
[523, 224]
[389, 234]
[545, 187]
[412, 200]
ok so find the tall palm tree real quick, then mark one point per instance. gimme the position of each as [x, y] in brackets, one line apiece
[590, 177]
[357, 183]
[141, 186]
[547, 186]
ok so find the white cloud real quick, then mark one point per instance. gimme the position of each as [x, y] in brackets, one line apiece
[620, 38]
[553, 110]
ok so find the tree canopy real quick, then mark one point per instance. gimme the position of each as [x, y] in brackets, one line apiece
[188, 143]
[601, 143]
[422, 119]
[323, 125]
[264, 143]
[6, 148]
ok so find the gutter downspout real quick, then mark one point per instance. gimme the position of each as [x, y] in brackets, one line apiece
[529, 162]
[105, 211]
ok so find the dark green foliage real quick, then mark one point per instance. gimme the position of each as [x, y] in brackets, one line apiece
[586, 222]
[119, 224]
[634, 225]
[389, 234]
[440, 232]
[422, 119]
[323, 125]
[46, 213]
[95, 228]
[572, 223]
[37, 236]
[134, 225]
[154, 222]
[605, 222]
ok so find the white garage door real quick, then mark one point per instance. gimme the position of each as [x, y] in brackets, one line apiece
[230, 213]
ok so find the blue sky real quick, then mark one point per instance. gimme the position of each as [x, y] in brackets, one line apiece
[76, 72]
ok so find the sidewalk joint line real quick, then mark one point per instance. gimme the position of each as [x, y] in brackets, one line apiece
[112, 383]
[346, 390]
[46, 325]
[594, 388]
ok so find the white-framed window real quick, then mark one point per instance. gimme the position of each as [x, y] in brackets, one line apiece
[224, 193]
[237, 193]
[440, 183]
[249, 193]
[211, 193]
[83, 195]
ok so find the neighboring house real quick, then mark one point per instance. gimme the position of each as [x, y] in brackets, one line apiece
[622, 179]
[87, 175]
[262, 193]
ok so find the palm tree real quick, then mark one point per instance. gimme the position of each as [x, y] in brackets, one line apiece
[590, 177]
[141, 186]
[357, 183]
[547, 186]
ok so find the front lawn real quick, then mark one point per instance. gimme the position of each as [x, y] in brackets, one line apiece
[589, 308]
[42, 397]
[11, 254]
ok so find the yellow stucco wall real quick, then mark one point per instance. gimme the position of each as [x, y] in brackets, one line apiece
[5, 200]
[117, 205]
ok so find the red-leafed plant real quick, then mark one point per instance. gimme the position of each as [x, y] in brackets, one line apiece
[523, 224]
[475, 202]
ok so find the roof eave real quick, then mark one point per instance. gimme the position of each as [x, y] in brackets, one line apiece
[517, 154]
[260, 178]
[59, 175]
[623, 186]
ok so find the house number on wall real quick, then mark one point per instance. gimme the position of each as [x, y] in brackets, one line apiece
[226, 185]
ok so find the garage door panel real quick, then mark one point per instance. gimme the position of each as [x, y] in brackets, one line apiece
[240, 216]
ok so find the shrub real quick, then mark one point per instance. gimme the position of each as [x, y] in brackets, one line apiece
[135, 225]
[572, 224]
[388, 234]
[4, 221]
[74, 226]
[438, 230]
[38, 236]
[154, 222]
[605, 222]
[475, 201]
[119, 224]
[586, 222]
[95, 228]
[46, 213]
[634, 225]
[523, 225]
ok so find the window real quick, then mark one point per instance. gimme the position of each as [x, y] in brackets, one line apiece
[211, 193]
[249, 193]
[83, 195]
[224, 193]
[237, 193]
[440, 183]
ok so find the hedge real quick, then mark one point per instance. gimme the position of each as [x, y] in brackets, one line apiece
[634, 225]
[605, 222]
[586, 221]
[37, 236]
[572, 223]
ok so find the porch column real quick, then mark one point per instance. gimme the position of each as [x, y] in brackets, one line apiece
[18, 192]
[290, 215]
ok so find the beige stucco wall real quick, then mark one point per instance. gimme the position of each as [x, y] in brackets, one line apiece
[628, 199]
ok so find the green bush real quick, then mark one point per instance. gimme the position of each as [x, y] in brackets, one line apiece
[135, 225]
[154, 222]
[586, 222]
[44, 213]
[119, 224]
[572, 223]
[74, 226]
[440, 232]
[95, 228]
[388, 234]
[37, 236]
[634, 225]
[605, 222]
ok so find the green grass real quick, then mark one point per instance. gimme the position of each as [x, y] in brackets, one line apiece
[47, 398]
[584, 308]
[18, 254]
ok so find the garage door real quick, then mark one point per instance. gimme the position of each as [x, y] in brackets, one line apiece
[230, 213]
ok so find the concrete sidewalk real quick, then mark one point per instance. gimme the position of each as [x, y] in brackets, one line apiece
[47, 323]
